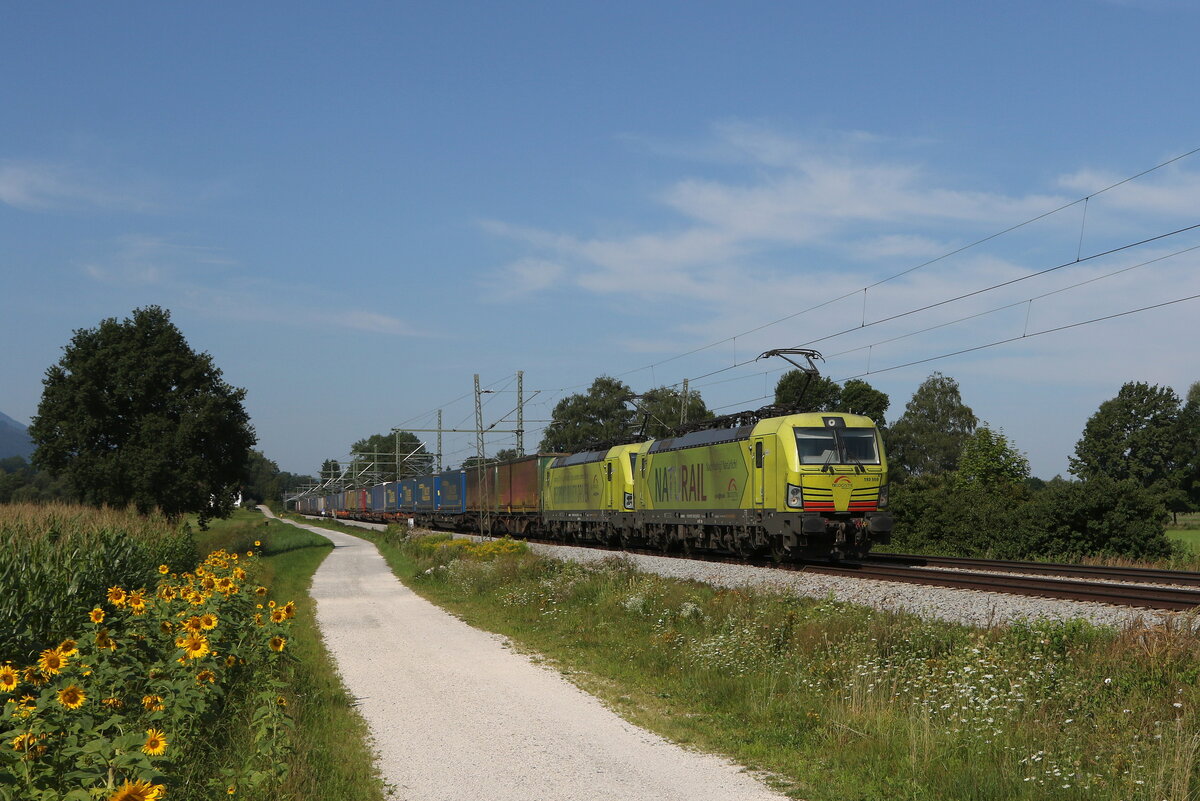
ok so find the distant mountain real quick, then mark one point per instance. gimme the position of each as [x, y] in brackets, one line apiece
[14, 439]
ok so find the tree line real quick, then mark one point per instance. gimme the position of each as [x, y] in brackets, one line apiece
[132, 416]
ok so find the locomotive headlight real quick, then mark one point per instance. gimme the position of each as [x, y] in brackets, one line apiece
[795, 498]
[883, 493]
[629, 500]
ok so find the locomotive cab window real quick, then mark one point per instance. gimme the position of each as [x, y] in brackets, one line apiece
[823, 446]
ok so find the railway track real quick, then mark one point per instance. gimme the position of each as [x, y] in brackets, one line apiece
[1144, 575]
[1014, 578]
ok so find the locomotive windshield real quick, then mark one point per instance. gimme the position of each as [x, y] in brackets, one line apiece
[837, 446]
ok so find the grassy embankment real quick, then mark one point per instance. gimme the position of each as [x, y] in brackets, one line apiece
[838, 701]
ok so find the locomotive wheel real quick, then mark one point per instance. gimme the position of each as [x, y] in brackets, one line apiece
[779, 551]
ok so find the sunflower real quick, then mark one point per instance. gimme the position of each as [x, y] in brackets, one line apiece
[36, 677]
[156, 743]
[290, 609]
[164, 569]
[8, 679]
[113, 703]
[208, 621]
[96, 615]
[208, 583]
[277, 643]
[257, 544]
[278, 615]
[166, 592]
[258, 619]
[52, 661]
[226, 586]
[193, 625]
[271, 604]
[166, 627]
[68, 647]
[200, 571]
[22, 742]
[260, 591]
[116, 596]
[152, 703]
[230, 661]
[194, 645]
[206, 675]
[71, 697]
[156, 792]
[134, 791]
[279, 699]
[239, 574]
[103, 641]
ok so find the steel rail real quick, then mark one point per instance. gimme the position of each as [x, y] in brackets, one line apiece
[1101, 572]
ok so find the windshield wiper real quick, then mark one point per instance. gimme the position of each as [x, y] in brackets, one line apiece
[828, 459]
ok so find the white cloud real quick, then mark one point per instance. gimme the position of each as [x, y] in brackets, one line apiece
[41, 186]
[523, 277]
[208, 282]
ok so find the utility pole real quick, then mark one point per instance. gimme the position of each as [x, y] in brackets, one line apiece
[439, 456]
[683, 404]
[520, 413]
[478, 421]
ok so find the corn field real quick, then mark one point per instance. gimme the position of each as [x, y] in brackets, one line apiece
[56, 560]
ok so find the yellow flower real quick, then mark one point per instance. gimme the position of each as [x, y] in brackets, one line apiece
[279, 699]
[271, 604]
[166, 592]
[193, 624]
[257, 544]
[278, 615]
[96, 615]
[164, 569]
[166, 627]
[156, 792]
[116, 596]
[113, 703]
[208, 621]
[290, 609]
[194, 645]
[206, 675]
[239, 574]
[103, 641]
[156, 743]
[8, 679]
[260, 591]
[152, 703]
[71, 697]
[134, 791]
[68, 647]
[52, 661]
[277, 643]
[36, 677]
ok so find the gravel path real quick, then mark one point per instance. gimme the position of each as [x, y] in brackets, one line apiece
[457, 715]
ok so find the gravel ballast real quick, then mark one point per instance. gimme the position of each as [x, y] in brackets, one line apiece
[971, 607]
[456, 714]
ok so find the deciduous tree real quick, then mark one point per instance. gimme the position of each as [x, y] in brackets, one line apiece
[664, 406]
[582, 420]
[930, 435]
[1136, 436]
[132, 415]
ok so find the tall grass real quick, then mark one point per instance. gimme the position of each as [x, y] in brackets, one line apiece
[56, 560]
[841, 701]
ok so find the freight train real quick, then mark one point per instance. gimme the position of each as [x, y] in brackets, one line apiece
[810, 485]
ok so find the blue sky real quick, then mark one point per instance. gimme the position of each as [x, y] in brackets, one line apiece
[356, 207]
